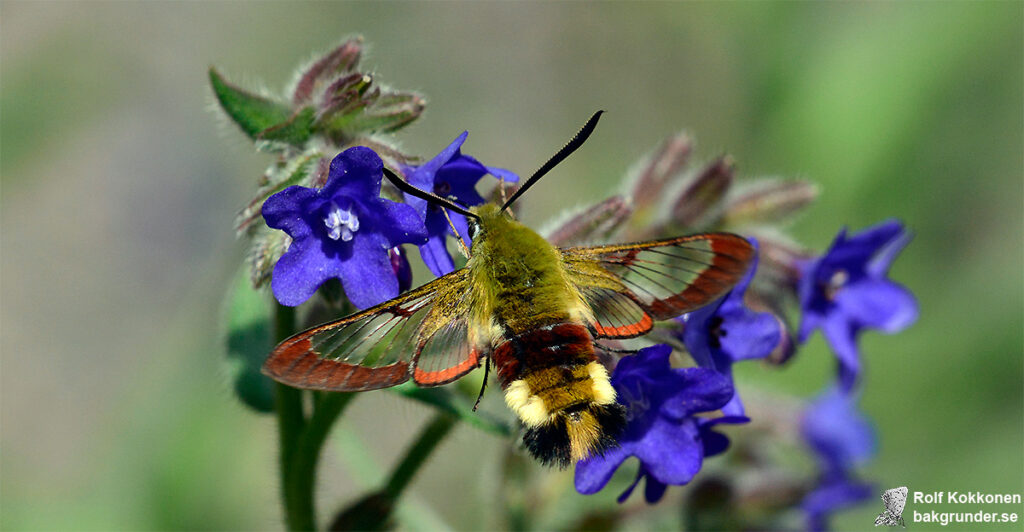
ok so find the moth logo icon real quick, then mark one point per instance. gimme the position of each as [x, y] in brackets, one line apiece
[894, 499]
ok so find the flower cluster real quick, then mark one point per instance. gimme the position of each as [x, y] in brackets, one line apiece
[322, 212]
[343, 231]
[846, 291]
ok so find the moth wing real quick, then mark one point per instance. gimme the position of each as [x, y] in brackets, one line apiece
[380, 347]
[629, 286]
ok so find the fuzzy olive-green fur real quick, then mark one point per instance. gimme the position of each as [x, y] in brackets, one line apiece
[518, 275]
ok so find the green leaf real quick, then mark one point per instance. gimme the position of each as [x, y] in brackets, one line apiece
[446, 401]
[248, 338]
[295, 130]
[251, 112]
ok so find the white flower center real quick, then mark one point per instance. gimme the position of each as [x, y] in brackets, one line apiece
[341, 223]
[836, 282]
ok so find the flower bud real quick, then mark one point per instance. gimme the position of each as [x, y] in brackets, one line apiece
[342, 59]
[266, 249]
[700, 198]
[594, 223]
[659, 168]
[769, 201]
[400, 263]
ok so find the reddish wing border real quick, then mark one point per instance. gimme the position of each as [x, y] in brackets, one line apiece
[691, 271]
[297, 363]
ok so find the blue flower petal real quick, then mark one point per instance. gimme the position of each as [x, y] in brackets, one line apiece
[285, 210]
[699, 390]
[714, 442]
[301, 270]
[654, 490]
[879, 304]
[424, 175]
[355, 172]
[397, 222]
[696, 334]
[435, 255]
[661, 430]
[840, 435]
[501, 173]
[671, 452]
[832, 497]
[879, 265]
[367, 276]
[750, 334]
[841, 337]
[593, 474]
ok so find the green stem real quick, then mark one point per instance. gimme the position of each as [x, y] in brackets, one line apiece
[291, 422]
[301, 480]
[429, 438]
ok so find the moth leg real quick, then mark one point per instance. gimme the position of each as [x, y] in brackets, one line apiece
[610, 349]
[487, 370]
[463, 247]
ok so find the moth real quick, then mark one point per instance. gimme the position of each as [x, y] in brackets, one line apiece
[532, 310]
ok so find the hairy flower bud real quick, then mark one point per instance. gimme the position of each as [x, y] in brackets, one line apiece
[592, 224]
[659, 168]
[768, 201]
[700, 198]
[342, 59]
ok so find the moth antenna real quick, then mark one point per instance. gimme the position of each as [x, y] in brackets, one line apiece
[404, 186]
[487, 370]
[463, 246]
[566, 151]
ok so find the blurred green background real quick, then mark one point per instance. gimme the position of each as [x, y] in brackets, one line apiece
[119, 187]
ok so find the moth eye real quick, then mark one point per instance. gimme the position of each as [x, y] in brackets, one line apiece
[474, 229]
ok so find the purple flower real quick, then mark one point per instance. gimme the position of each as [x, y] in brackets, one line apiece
[726, 332]
[661, 430]
[842, 439]
[449, 174]
[846, 290]
[343, 230]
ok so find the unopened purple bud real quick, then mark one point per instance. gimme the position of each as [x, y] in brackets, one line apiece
[593, 223]
[344, 97]
[702, 194]
[342, 59]
[659, 169]
[769, 201]
[403, 271]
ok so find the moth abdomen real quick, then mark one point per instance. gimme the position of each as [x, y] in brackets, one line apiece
[562, 394]
[572, 436]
